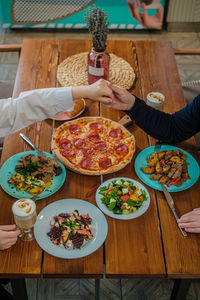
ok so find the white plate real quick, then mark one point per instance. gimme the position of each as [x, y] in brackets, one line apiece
[42, 226]
[140, 211]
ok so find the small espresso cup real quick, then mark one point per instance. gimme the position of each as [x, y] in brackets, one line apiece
[24, 211]
[156, 100]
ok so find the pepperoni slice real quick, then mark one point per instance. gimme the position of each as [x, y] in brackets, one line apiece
[68, 152]
[73, 128]
[100, 146]
[65, 143]
[79, 143]
[115, 133]
[94, 137]
[121, 148]
[95, 125]
[86, 163]
[87, 152]
[105, 163]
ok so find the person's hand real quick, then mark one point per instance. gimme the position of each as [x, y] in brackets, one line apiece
[190, 221]
[153, 22]
[98, 91]
[8, 236]
[122, 99]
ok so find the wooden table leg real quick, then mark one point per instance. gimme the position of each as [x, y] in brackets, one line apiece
[97, 286]
[180, 289]
[19, 289]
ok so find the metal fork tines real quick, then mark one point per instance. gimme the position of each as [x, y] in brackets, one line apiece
[40, 152]
[157, 147]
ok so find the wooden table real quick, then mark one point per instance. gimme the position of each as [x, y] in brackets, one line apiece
[149, 246]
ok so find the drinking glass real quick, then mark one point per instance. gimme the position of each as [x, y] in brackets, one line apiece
[24, 211]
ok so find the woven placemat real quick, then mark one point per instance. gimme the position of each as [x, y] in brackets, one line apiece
[73, 71]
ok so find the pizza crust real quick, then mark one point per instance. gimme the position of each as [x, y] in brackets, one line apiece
[129, 139]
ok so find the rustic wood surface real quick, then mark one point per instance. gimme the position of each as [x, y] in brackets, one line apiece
[133, 248]
[37, 69]
[159, 73]
[80, 187]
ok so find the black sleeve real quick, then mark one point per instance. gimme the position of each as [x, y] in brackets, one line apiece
[165, 127]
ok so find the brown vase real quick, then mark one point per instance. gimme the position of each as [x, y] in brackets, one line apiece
[98, 64]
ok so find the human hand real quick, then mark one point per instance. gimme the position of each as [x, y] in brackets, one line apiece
[8, 236]
[98, 91]
[190, 221]
[122, 99]
[153, 22]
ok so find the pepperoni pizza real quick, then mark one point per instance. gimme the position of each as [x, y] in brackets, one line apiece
[93, 145]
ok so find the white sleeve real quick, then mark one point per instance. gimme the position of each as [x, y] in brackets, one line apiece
[33, 106]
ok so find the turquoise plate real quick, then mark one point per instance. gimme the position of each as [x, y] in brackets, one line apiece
[8, 169]
[42, 226]
[140, 162]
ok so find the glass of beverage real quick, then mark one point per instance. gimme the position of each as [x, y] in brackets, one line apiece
[156, 100]
[24, 211]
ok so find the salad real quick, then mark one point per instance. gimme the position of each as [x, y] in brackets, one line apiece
[70, 230]
[122, 196]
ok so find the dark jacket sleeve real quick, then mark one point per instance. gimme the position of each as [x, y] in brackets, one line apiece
[165, 127]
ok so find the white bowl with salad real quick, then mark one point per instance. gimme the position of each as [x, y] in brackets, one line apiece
[122, 198]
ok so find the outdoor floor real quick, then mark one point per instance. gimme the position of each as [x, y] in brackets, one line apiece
[110, 289]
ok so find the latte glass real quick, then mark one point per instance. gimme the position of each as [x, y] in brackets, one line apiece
[156, 100]
[24, 211]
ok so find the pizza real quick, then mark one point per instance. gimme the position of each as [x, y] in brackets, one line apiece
[93, 145]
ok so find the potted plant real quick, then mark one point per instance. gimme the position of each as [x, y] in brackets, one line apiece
[98, 57]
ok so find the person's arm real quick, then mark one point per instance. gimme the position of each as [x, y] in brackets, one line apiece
[37, 105]
[8, 236]
[33, 106]
[165, 127]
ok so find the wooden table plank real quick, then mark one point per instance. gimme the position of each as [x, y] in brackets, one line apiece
[158, 72]
[80, 187]
[37, 69]
[133, 247]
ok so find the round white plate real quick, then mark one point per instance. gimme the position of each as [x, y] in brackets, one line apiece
[42, 227]
[140, 211]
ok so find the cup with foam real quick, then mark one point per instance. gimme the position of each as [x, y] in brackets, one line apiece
[24, 211]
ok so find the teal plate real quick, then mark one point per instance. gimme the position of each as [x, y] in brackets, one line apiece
[8, 169]
[42, 226]
[193, 169]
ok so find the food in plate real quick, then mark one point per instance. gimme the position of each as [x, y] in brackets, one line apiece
[122, 196]
[79, 106]
[70, 229]
[34, 173]
[168, 167]
[93, 145]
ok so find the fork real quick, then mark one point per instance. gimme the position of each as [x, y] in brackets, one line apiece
[157, 147]
[40, 152]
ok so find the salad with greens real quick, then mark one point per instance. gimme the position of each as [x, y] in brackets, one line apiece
[122, 196]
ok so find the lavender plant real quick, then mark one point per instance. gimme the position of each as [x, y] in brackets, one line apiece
[98, 26]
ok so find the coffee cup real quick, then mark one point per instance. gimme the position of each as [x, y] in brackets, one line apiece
[24, 211]
[156, 100]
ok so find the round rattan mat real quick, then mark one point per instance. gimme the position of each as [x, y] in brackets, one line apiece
[73, 71]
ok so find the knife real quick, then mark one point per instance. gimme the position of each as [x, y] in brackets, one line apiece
[170, 202]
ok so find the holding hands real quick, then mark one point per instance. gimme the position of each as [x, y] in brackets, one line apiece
[8, 236]
[111, 95]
